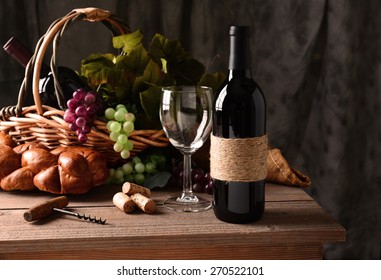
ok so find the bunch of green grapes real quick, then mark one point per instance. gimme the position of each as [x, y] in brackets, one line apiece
[120, 124]
[137, 170]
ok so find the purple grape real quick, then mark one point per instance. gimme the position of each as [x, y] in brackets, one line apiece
[208, 188]
[80, 122]
[73, 126]
[86, 129]
[90, 98]
[79, 94]
[92, 109]
[69, 116]
[82, 137]
[197, 187]
[81, 111]
[198, 175]
[72, 103]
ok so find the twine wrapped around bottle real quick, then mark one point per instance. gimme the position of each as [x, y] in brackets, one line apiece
[45, 124]
[238, 159]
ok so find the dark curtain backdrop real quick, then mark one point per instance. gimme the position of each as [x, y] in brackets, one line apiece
[318, 63]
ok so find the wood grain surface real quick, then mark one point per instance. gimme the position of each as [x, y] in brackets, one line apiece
[294, 226]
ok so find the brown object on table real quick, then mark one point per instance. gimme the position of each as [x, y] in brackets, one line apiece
[146, 204]
[131, 188]
[293, 226]
[44, 209]
[6, 140]
[19, 180]
[9, 161]
[69, 171]
[279, 171]
[123, 202]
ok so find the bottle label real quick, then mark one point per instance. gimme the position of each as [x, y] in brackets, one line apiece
[238, 159]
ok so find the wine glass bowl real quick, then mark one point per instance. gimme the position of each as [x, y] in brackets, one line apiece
[185, 114]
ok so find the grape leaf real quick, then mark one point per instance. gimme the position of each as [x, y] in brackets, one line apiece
[158, 180]
[171, 50]
[135, 61]
[212, 80]
[150, 101]
[128, 42]
[153, 74]
[186, 72]
[99, 69]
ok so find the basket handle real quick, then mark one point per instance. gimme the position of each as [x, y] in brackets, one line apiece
[55, 31]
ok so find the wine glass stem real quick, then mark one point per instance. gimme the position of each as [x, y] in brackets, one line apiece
[187, 176]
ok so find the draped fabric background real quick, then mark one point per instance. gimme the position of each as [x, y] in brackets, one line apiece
[318, 63]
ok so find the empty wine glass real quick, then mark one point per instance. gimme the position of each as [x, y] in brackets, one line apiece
[185, 114]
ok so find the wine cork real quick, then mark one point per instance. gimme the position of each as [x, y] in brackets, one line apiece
[146, 204]
[131, 188]
[123, 202]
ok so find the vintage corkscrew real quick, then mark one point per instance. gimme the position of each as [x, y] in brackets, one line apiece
[57, 204]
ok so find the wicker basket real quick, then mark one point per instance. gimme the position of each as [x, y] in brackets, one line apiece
[44, 124]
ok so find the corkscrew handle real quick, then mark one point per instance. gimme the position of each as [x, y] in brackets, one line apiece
[44, 209]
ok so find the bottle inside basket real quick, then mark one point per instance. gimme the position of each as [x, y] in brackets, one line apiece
[67, 78]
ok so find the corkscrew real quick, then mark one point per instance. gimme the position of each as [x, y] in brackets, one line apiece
[57, 204]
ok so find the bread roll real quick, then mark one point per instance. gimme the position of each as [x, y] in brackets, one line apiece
[21, 180]
[48, 180]
[38, 159]
[7, 140]
[74, 173]
[9, 160]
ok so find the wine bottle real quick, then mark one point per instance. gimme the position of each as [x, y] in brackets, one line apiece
[239, 148]
[67, 78]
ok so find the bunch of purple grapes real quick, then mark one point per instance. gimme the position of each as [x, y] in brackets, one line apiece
[201, 180]
[81, 112]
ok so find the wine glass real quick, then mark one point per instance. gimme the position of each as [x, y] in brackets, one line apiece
[186, 114]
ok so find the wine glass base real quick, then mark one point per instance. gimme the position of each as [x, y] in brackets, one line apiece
[187, 204]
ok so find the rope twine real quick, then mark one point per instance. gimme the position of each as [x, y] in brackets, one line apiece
[239, 159]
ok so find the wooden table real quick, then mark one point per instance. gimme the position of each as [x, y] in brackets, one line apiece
[293, 227]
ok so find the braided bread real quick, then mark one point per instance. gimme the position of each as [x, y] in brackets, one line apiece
[65, 170]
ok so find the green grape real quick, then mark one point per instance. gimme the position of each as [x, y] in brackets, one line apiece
[120, 106]
[119, 114]
[108, 126]
[125, 154]
[122, 139]
[114, 136]
[118, 147]
[127, 168]
[150, 167]
[129, 117]
[129, 178]
[161, 161]
[139, 178]
[128, 145]
[128, 126]
[136, 160]
[119, 174]
[109, 113]
[115, 126]
[139, 167]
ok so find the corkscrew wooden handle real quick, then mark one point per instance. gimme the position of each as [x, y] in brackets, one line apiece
[45, 209]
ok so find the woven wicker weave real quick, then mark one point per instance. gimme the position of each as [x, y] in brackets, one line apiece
[44, 124]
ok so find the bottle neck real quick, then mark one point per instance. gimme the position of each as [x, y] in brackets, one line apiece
[239, 73]
[18, 51]
[22, 54]
[239, 58]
